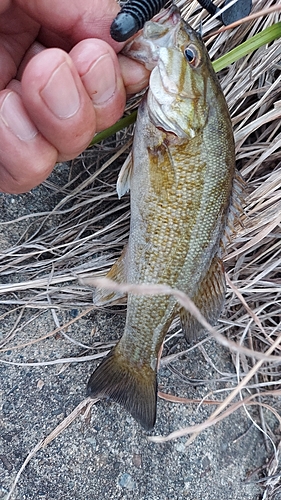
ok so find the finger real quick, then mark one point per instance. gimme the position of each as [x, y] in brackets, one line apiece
[73, 21]
[33, 50]
[14, 85]
[17, 32]
[135, 75]
[26, 158]
[98, 67]
[58, 103]
[4, 5]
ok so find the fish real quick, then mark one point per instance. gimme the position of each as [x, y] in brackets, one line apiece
[181, 177]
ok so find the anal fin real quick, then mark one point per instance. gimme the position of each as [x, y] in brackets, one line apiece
[134, 387]
[209, 299]
[117, 273]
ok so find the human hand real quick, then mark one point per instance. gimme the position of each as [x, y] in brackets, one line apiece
[53, 101]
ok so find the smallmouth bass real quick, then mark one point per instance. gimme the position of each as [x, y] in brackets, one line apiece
[181, 179]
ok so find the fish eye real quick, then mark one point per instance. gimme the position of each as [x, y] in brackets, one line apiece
[192, 55]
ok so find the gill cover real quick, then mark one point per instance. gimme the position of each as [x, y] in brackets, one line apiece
[176, 97]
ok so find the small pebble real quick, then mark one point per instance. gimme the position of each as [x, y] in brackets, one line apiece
[73, 313]
[137, 460]
[6, 463]
[40, 384]
[180, 447]
[126, 481]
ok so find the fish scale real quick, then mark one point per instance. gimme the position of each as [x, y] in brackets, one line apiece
[181, 177]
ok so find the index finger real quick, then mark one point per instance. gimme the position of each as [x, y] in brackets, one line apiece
[75, 20]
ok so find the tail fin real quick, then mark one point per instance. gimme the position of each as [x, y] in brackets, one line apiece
[133, 387]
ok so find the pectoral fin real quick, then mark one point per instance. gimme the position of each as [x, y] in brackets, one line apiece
[124, 177]
[209, 299]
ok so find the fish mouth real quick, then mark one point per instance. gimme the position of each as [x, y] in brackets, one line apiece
[158, 33]
[171, 16]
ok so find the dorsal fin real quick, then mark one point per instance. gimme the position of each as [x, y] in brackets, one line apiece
[235, 209]
[209, 299]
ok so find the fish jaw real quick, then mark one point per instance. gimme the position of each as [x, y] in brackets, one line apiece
[163, 28]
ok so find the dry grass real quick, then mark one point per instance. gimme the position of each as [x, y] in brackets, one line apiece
[85, 231]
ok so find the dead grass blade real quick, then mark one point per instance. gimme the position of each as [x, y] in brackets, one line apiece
[214, 419]
[188, 304]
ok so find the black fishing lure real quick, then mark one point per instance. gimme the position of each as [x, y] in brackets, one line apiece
[135, 13]
[133, 16]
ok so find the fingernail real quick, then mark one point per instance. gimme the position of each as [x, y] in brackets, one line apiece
[60, 93]
[100, 80]
[13, 114]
